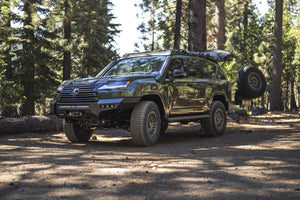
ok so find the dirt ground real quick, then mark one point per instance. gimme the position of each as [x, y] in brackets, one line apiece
[256, 159]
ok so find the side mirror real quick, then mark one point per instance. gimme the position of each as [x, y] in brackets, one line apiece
[178, 73]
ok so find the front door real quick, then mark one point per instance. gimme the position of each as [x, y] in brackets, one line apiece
[180, 91]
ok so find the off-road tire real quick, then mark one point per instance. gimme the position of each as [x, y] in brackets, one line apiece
[215, 124]
[145, 123]
[76, 134]
[251, 82]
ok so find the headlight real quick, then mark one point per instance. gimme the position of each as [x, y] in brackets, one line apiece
[119, 85]
[62, 85]
[60, 88]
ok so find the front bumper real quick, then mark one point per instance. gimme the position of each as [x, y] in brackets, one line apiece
[91, 109]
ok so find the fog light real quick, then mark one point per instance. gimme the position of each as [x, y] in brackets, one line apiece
[107, 106]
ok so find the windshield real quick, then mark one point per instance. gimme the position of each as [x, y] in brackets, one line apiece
[137, 66]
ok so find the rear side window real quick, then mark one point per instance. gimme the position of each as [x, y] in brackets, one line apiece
[220, 74]
[200, 68]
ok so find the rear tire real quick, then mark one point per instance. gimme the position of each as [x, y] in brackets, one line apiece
[76, 134]
[145, 123]
[216, 123]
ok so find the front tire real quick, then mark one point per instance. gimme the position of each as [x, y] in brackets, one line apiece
[76, 134]
[145, 123]
[216, 123]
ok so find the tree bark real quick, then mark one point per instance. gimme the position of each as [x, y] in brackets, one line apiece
[276, 101]
[197, 25]
[177, 25]
[245, 31]
[67, 37]
[298, 90]
[220, 24]
[30, 124]
[293, 99]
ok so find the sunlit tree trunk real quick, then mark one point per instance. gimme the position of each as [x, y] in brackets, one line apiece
[197, 25]
[293, 99]
[276, 101]
[220, 24]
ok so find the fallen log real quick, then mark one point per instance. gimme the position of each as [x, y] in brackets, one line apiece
[30, 124]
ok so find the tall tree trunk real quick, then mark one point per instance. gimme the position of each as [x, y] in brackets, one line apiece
[293, 99]
[220, 24]
[67, 37]
[276, 101]
[286, 101]
[177, 24]
[298, 90]
[245, 31]
[153, 27]
[197, 25]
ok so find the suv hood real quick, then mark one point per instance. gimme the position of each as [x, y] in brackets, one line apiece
[218, 55]
[102, 80]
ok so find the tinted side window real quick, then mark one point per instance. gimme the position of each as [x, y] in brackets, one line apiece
[176, 63]
[195, 69]
[201, 68]
[209, 69]
[220, 74]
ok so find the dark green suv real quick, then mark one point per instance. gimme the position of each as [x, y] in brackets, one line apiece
[143, 92]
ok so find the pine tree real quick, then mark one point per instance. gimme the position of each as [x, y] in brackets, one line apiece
[10, 89]
[6, 32]
[289, 45]
[27, 60]
[167, 27]
[88, 40]
[93, 35]
[32, 48]
[150, 30]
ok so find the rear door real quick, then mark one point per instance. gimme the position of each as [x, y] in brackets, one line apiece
[202, 73]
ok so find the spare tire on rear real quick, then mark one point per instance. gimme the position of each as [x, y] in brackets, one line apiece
[251, 82]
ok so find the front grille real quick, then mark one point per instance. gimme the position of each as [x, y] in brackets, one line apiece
[86, 93]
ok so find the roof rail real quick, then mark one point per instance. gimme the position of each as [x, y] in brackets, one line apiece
[216, 55]
[167, 52]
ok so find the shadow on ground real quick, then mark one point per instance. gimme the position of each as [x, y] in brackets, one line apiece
[247, 162]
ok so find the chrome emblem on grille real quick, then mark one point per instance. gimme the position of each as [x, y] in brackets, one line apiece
[75, 91]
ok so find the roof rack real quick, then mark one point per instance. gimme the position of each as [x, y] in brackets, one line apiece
[215, 55]
[167, 52]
